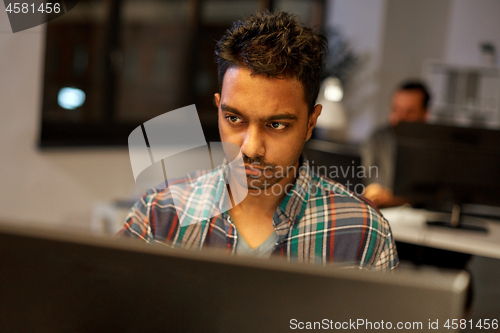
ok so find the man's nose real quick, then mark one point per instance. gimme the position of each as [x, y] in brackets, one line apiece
[254, 142]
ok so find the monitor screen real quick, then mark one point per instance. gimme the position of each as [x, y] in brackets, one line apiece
[440, 166]
[60, 282]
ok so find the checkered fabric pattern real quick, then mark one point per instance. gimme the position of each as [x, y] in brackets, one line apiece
[318, 222]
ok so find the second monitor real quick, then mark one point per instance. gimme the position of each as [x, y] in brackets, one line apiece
[444, 167]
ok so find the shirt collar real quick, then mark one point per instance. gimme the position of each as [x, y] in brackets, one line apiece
[294, 204]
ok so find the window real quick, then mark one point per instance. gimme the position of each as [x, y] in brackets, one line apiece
[110, 65]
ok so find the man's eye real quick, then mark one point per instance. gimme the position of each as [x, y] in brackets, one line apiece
[277, 126]
[233, 119]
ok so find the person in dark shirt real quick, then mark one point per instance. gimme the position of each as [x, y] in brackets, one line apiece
[410, 103]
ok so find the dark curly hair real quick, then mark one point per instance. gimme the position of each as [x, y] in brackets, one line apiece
[276, 45]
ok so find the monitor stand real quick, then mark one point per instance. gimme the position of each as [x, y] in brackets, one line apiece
[456, 222]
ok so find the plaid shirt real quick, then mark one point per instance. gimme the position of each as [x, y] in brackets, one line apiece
[318, 222]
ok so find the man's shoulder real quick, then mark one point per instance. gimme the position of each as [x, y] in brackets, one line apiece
[343, 204]
[346, 225]
[332, 188]
[159, 209]
[191, 181]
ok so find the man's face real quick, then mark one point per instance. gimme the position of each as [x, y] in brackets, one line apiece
[268, 119]
[407, 105]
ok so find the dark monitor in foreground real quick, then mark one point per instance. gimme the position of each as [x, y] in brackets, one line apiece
[55, 282]
[444, 167]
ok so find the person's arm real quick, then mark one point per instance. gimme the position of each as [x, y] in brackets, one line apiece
[377, 244]
[388, 256]
[137, 222]
[382, 197]
[378, 153]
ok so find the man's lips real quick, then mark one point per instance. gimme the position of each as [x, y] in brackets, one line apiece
[253, 171]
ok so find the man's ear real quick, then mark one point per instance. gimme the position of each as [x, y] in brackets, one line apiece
[313, 118]
[217, 100]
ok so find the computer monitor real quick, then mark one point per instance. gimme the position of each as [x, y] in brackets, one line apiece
[57, 282]
[444, 167]
[338, 162]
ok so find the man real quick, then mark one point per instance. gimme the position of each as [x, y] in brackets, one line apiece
[410, 103]
[269, 69]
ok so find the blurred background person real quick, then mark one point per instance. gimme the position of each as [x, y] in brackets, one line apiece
[410, 103]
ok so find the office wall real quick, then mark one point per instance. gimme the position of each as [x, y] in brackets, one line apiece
[56, 187]
[472, 22]
[415, 32]
[362, 23]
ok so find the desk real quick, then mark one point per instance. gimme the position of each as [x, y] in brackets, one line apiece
[408, 225]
